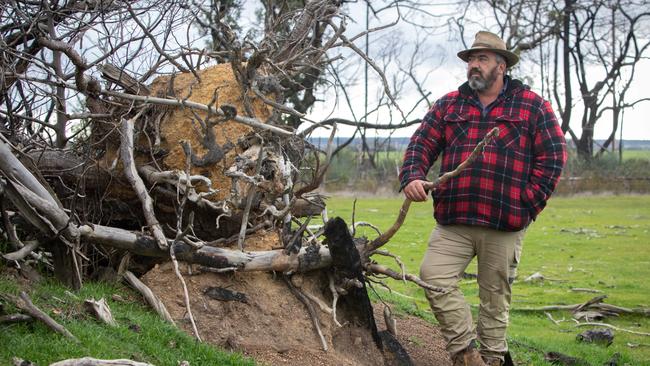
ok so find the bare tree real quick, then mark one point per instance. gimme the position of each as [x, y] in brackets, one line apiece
[120, 135]
[587, 51]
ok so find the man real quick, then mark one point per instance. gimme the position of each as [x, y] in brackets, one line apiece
[484, 211]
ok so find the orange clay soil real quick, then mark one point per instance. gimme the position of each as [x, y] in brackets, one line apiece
[218, 86]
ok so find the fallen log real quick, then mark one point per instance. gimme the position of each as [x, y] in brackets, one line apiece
[595, 304]
[49, 218]
[88, 361]
[307, 259]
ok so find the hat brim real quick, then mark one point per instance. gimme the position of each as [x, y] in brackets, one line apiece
[511, 58]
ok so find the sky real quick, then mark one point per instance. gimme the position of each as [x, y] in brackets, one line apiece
[447, 72]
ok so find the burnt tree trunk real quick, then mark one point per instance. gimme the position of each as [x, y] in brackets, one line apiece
[346, 264]
[65, 268]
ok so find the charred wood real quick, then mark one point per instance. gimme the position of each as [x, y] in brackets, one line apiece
[346, 264]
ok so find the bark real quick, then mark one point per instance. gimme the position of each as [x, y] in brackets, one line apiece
[346, 263]
[64, 262]
[308, 258]
[99, 308]
[14, 318]
[13, 169]
[131, 173]
[42, 210]
[70, 168]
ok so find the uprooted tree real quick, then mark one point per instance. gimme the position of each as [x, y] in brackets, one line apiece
[141, 145]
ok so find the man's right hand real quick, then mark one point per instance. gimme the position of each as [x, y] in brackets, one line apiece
[415, 191]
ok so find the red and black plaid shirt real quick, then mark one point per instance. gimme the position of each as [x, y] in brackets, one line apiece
[509, 184]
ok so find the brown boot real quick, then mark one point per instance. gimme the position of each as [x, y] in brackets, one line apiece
[469, 357]
[492, 361]
[498, 361]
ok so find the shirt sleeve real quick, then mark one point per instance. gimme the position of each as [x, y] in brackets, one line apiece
[549, 157]
[424, 147]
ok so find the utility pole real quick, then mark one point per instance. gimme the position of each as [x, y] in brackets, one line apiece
[615, 109]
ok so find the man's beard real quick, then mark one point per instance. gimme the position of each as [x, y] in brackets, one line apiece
[478, 83]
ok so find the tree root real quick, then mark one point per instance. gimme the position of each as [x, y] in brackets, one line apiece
[148, 295]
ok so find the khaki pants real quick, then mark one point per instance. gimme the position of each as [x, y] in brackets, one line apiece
[519, 247]
[450, 250]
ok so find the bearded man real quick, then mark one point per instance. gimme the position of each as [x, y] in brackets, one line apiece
[485, 210]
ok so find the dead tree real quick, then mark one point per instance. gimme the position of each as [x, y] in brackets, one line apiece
[167, 155]
[586, 51]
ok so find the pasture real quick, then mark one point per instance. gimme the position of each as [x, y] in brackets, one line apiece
[601, 243]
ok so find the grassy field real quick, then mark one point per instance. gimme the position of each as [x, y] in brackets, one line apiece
[600, 243]
[636, 154]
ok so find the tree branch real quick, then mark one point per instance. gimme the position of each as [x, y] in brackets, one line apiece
[131, 173]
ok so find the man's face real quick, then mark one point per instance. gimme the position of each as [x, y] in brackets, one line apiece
[482, 70]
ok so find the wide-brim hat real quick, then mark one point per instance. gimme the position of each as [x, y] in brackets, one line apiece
[488, 41]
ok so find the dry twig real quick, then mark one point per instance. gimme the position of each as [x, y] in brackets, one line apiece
[131, 173]
[249, 199]
[185, 293]
[25, 304]
[335, 296]
[180, 234]
[14, 318]
[148, 295]
[310, 309]
[378, 268]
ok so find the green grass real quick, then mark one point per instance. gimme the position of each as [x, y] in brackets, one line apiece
[140, 334]
[600, 243]
[635, 154]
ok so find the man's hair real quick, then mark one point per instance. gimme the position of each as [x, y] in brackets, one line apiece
[500, 59]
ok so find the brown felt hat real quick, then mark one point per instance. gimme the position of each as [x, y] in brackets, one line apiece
[487, 41]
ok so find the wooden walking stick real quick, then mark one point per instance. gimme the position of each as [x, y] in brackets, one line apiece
[386, 236]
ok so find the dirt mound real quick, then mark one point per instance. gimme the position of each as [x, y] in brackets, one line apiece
[265, 321]
[218, 86]
[212, 139]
